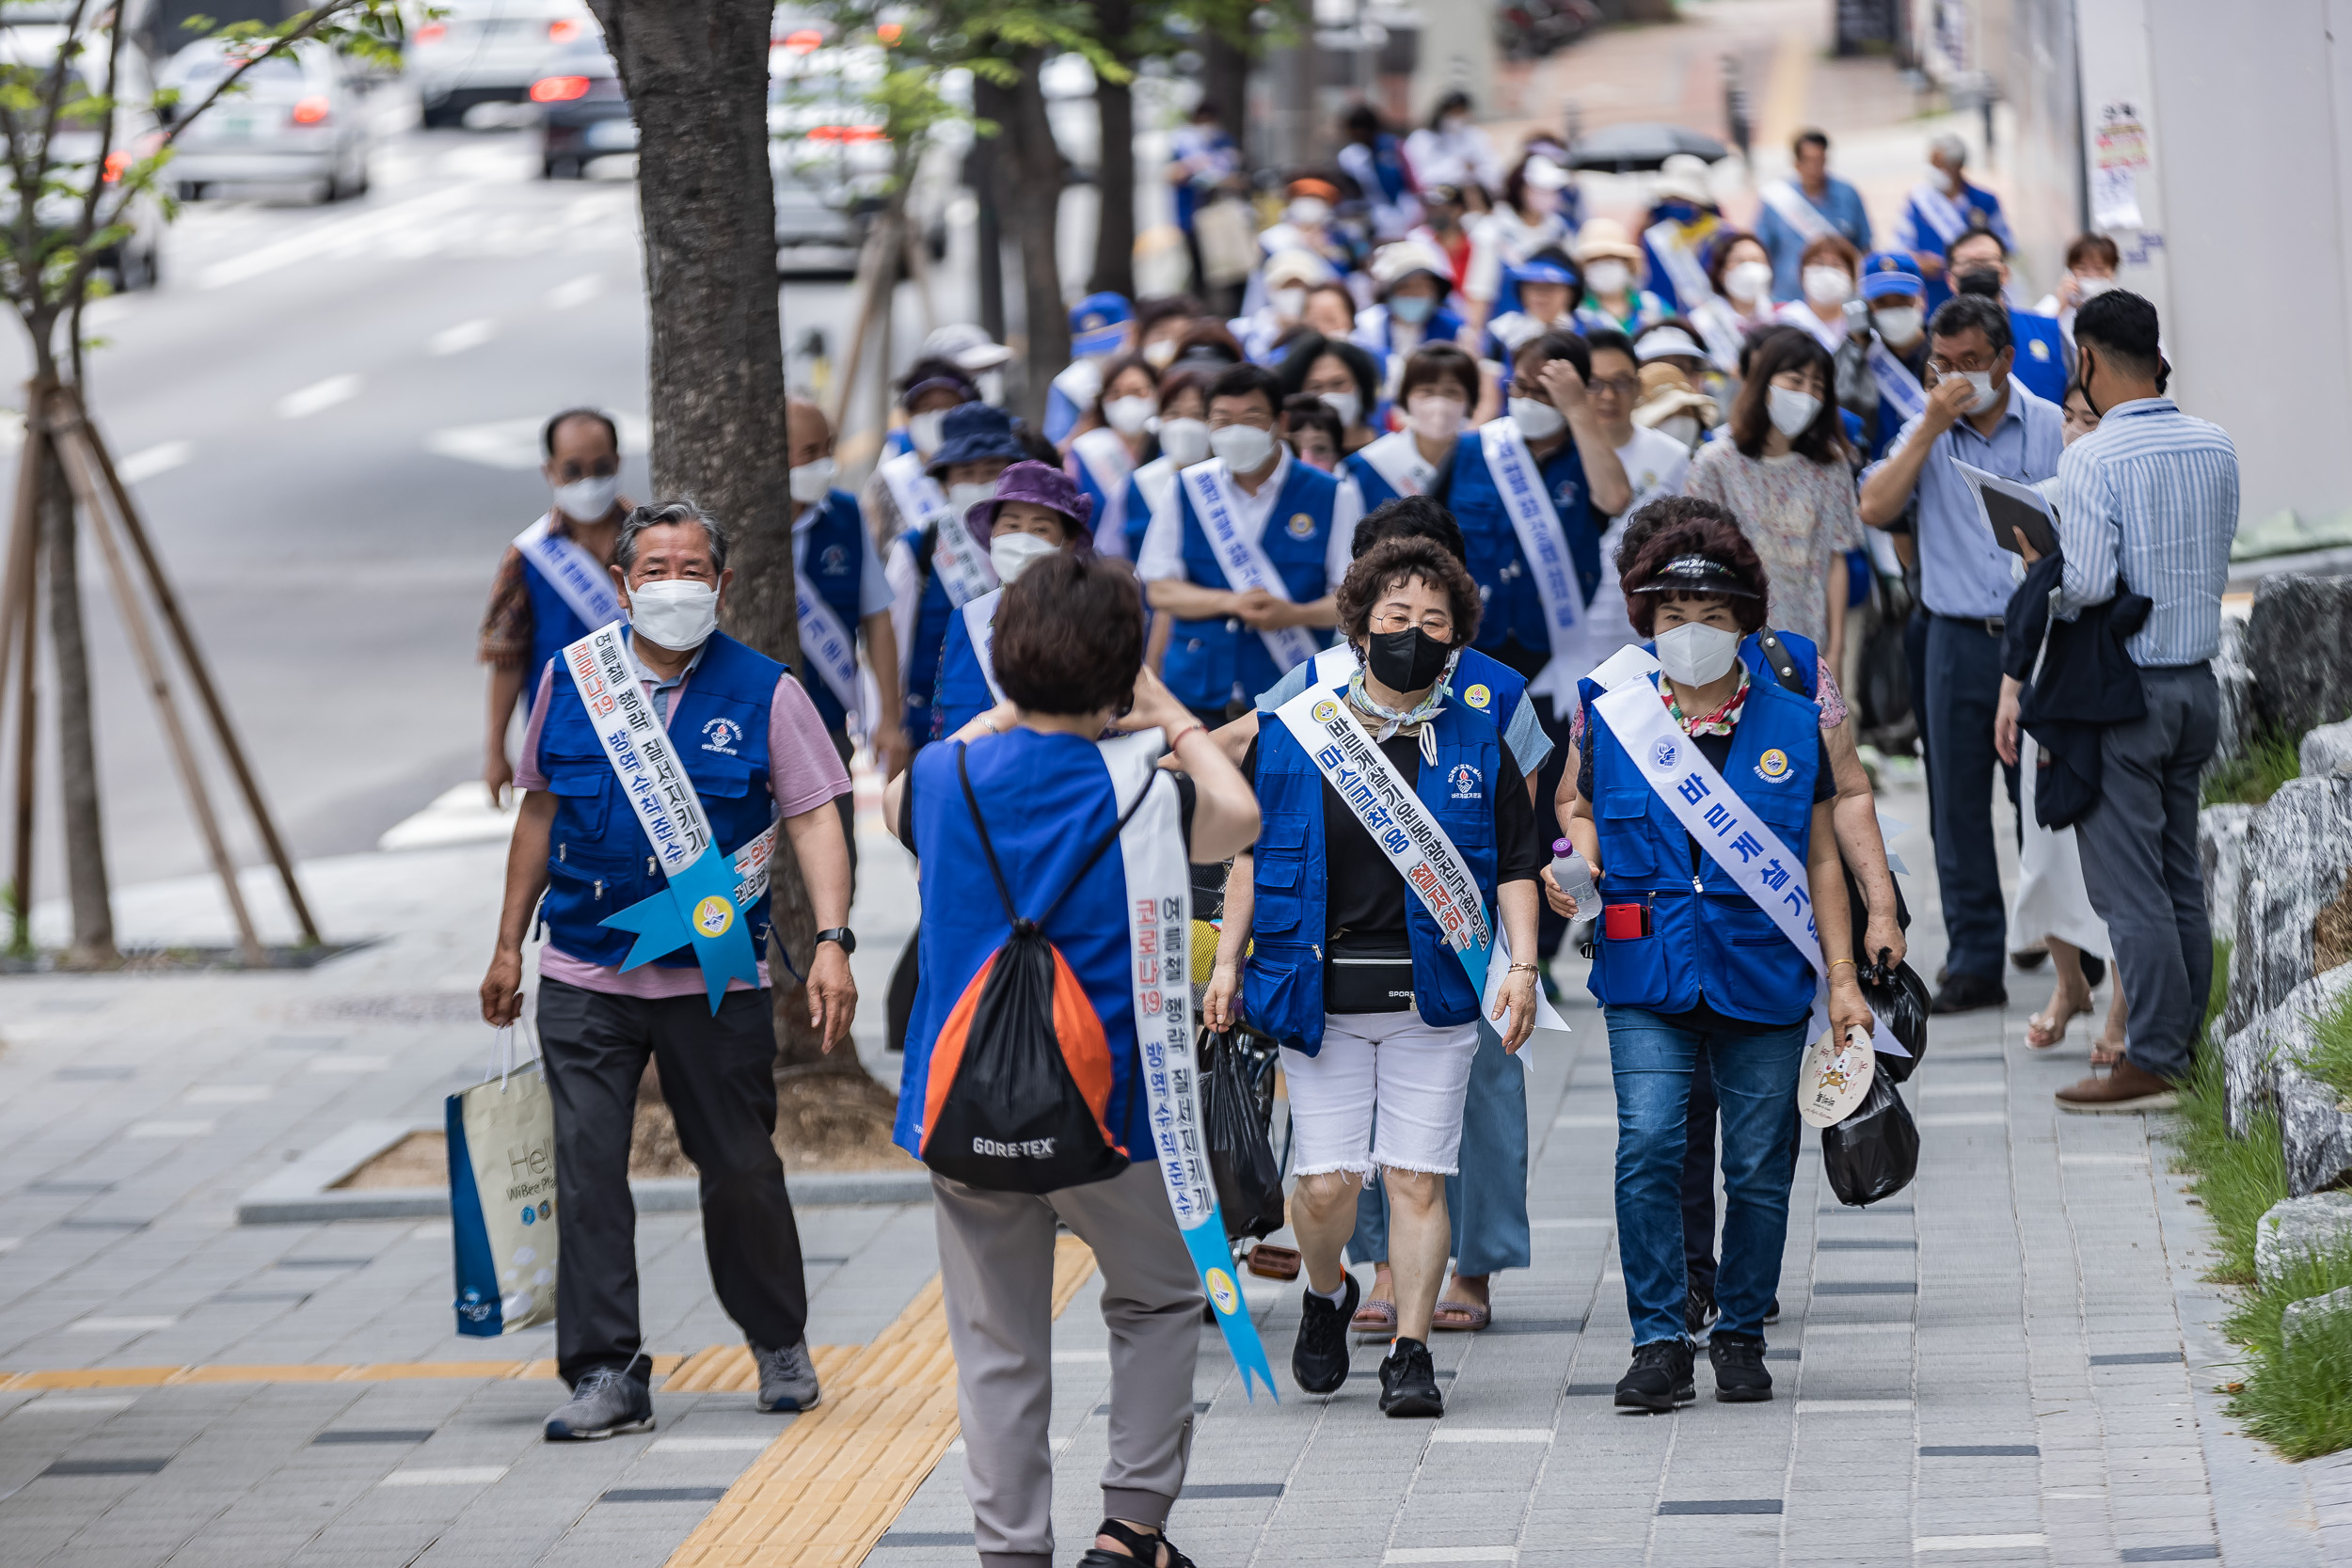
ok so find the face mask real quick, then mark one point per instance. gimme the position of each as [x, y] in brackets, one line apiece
[674, 613]
[1898, 324]
[1538, 420]
[1413, 309]
[811, 480]
[962, 498]
[1435, 417]
[990, 386]
[1792, 413]
[1289, 303]
[924, 430]
[1749, 281]
[1348, 405]
[1245, 448]
[1013, 554]
[1160, 353]
[1184, 442]
[1309, 210]
[1979, 280]
[584, 501]
[1129, 415]
[2092, 288]
[1406, 660]
[1608, 277]
[1983, 382]
[1827, 286]
[1681, 427]
[1694, 654]
[1452, 124]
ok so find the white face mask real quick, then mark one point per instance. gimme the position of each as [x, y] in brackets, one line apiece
[1245, 448]
[1537, 418]
[584, 501]
[1680, 427]
[1348, 405]
[1792, 413]
[1696, 653]
[962, 498]
[812, 479]
[676, 613]
[1435, 417]
[1289, 303]
[924, 430]
[1827, 286]
[1160, 353]
[1309, 210]
[1608, 277]
[1184, 442]
[1749, 281]
[2092, 288]
[1013, 554]
[1130, 416]
[1986, 395]
[1898, 324]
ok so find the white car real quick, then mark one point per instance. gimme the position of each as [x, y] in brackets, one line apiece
[481, 52]
[297, 119]
[30, 39]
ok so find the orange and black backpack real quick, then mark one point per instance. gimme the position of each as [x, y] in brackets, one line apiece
[1021, 1073]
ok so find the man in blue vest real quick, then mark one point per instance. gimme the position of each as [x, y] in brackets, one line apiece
[1940, 210]
[746, 737]
[2045, 361]
[1896, 295]
[552, 579]
[1291, 524]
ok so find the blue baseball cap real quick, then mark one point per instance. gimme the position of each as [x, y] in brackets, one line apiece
[1890, 272]
[1098, 324]
[1543, 270]
[973, 431]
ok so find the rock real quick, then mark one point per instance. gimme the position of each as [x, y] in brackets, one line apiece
[2317, 1132]
[2299, 645]
[2286, 1033]
[2303, 1316]
[2240, 718]
[2327, 752]
[2297, 1228]
[2298, 847]
[2221, 855]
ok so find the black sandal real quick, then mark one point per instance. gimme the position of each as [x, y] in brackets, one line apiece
[1145, 1547]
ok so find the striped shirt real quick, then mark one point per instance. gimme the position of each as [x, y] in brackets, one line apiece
[2151, 496]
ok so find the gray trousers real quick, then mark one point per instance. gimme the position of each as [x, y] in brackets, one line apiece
[996, 1268]
[2140, 864]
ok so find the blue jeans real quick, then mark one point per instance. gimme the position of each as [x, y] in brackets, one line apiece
[1652, 1058]
[1487, 1203]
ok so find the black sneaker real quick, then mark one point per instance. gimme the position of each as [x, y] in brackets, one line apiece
[1968, 993]
[1659, 1378]
[1739, 1363]
[1319, 1358]
[1698, 1307]
[1408, 1381]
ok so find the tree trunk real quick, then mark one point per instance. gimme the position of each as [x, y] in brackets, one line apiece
[696, 73]
[1225, 83]
[93, 943]
[1115, 177]
[1034, 175]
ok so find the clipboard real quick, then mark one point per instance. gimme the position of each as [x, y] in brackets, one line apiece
[2005, 505]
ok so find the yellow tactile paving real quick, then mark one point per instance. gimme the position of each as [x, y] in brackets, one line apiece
[377, 1372]
[825, 1491]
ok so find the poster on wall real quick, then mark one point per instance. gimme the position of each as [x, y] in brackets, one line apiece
[2119, 158]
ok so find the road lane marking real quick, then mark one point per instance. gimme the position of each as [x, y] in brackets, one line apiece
[458, 339]
[326, 237]
[161, 458]
[318, 396]
[514, 444]
[580, 291]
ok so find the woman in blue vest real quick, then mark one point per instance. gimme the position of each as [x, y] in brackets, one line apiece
[1691, 969]
[1347, 968]
[1070, 659]
[1438, 390]
[1112, 442]
[1035, 512]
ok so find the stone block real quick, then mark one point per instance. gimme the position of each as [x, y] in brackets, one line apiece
[2317, 1132]
[2302, 1316]
[2251, 1056]
[2298, 847]
[2326, 753]
[2299, 645]
[2297, 1228]
[2221, 855]
[2240, 716]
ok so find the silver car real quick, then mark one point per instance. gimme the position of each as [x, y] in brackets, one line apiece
[30, 39]
[477, 51]
[299, 120]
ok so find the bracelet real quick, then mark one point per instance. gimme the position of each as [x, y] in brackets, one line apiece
[1178, 738]
[1529, 969]
[1834, 962]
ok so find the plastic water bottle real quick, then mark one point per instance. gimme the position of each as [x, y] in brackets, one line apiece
[1574, 877]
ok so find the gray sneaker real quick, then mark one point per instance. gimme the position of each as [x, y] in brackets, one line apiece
[787, 1378]
[604, 1404]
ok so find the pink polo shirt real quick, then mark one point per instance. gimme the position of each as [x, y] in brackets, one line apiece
[803, 771]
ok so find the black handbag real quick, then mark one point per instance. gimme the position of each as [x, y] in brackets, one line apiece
[1238, 1092]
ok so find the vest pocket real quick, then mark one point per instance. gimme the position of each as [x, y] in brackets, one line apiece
[1628, 843]
[583, 803]
[1279, 905]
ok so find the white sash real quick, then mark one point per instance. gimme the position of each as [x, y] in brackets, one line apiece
[979, 625]
[829, 645]
[1719, 327]
[1154, 480]
[1798, 313]
[1520, 484]
[1690, 279]
[1897, 385]
[1712, 813]
[963, 567]
[1106, 457]
[1783, 196]
[580, 579]
[1397, 460]
[1243, 559]
[1941, 213]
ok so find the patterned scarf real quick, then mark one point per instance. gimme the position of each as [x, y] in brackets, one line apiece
[1718, 722]
[1407, 722]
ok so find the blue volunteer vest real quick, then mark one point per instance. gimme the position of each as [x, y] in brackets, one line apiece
[1378, 491]
[832, 561]
[1047, 802]
[1708, 940]
[555, 628]
[1282, 985]
[1210, 662]
[2041, 355]
[933, 612]
[599, 861]
[1138, 516]
[1506, 583]
[963, 694]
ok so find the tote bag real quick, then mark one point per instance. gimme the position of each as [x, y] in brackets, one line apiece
[501, 1196]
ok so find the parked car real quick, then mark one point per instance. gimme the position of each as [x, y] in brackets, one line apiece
[30, 37]
[583, 111]
[488, 52]
[830, 156]
[293, 119]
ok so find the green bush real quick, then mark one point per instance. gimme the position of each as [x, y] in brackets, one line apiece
[2271, 759]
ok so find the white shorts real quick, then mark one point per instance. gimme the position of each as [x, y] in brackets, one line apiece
[1415, 1075]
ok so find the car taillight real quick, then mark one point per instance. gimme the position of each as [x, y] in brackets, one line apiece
[116, 161]
[432, 32]
[558, 90]
[310, 111]
[805, 40]
[846, 132]
[565, 29]
[888, 33]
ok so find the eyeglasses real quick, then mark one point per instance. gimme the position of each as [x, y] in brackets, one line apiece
[1616, 386]
[1967, 363]
[1437, 623]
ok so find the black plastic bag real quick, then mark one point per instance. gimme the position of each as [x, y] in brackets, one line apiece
[1874, 1152]
[1237, 1090]
[1898, 997]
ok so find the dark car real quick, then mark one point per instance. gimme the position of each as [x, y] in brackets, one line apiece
[583, 111]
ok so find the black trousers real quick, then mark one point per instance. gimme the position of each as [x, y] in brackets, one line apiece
[718, 1073]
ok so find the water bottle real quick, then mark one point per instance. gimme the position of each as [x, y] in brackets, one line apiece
[1575, 877]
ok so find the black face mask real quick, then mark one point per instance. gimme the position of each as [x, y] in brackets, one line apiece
[1979, 280]
[1406, 660]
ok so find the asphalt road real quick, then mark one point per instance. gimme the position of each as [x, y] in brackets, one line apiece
[331, 414]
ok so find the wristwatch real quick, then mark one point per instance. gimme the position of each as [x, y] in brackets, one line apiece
[842, 934]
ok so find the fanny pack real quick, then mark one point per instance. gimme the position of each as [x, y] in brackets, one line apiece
[1367, 982]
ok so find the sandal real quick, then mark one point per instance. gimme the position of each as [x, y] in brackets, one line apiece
[1145, 1549]
[1375, 1317]
[1473, 1315]
[2044, 1031]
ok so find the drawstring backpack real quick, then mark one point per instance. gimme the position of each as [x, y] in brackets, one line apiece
[1021, 1074]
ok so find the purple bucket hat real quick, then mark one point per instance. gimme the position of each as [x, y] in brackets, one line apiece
[1039, 484]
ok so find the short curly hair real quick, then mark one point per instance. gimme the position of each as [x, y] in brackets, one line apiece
[1718, 539]
[1393, 561]
[1070, 634]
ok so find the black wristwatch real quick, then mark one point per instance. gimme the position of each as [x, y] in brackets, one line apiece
[842, 934]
